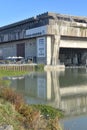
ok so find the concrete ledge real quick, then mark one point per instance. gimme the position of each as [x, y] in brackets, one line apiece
[54, 67]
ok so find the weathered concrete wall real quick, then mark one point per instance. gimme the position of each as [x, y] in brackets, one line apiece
[30, 48]
[8, 50]
[73, 31]
[77, 31]
[73, 43]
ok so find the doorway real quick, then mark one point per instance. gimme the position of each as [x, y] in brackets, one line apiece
[21, 50]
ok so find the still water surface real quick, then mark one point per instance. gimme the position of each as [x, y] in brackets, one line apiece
[66, 90]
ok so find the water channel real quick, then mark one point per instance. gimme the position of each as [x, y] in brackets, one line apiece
[66, 90]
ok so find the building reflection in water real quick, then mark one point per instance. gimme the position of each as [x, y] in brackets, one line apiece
[66, 90]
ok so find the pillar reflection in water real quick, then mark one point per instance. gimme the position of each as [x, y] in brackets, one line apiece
[66, 90]
[49, 85]
[56, 88]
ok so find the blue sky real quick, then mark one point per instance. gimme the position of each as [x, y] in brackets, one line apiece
[15, 10]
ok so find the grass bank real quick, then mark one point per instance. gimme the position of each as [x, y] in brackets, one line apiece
[8, 115]
[15, 112]
[4, 73]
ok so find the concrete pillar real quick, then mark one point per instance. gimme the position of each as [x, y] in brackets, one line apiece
[55, 55]
[48, 50]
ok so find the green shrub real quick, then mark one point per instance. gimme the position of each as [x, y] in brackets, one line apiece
[49, 111]
[30, 116]
[39, 67]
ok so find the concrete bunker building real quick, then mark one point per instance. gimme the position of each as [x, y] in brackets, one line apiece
[48, 38]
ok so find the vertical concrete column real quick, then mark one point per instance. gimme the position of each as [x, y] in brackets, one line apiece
[55, 30]
[55, 55]
[48, 48]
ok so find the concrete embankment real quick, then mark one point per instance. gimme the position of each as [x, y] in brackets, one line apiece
[54, 67]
